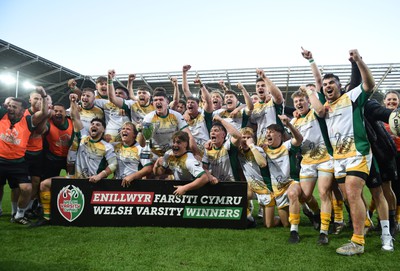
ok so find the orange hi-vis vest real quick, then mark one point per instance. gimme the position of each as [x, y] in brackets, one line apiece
[58, 139]
[35, 142]
[13, 138]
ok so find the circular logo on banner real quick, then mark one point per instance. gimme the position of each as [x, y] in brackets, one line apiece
[70, 202]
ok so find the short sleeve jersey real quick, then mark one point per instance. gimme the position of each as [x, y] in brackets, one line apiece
[345, 122]
[87, 115]
[263, 115]
[239, 121]
[163, 129]
[251, 169]
[137, 112]
[313, 148]
[184, 168]
[281, 162]
[198, 126]
[92, 157]
[114, 116]
[219, 163]
[128, 159]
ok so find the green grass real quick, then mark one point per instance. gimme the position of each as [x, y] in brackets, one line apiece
[153, 248]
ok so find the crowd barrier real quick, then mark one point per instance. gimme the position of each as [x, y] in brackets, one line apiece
[77, 202]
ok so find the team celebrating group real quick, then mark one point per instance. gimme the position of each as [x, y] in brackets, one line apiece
[334, 137]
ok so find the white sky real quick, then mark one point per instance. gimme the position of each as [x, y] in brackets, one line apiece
[91, 36]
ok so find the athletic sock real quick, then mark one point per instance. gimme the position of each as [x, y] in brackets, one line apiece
[294, 227]
[294, 220]
[358, 239]
[45, 199]
[338, 210]
[385, 227]
[20, 212]
[398, 214]
[325, 221]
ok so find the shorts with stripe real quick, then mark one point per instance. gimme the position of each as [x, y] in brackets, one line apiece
[358, 165]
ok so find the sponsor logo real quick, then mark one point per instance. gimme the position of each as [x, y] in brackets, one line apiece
[70, 202]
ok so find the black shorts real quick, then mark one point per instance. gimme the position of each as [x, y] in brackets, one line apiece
[35, 163]
[15, 173]
[374, 178]
[52, 168]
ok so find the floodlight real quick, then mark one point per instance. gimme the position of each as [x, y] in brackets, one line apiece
[28, 85]
[8, 79]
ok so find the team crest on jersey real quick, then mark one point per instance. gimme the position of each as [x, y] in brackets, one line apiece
[70, 202]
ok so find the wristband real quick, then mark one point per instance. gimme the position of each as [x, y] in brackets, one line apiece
[44, 96]
[110, 82]
[251, 146]
[311, 60]
[105, 172]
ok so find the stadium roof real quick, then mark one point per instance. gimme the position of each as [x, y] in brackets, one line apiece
[54, 77]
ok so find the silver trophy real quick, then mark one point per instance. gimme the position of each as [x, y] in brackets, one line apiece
[148, 129]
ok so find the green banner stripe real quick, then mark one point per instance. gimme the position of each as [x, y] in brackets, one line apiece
[205, 212]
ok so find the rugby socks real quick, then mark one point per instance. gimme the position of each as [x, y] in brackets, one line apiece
[325, 221]
[20, 212]
[294, 220]
[45, 199]
[358, 239]
[385, 227]
[338, 210]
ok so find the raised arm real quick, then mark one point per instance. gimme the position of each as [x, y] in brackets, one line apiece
[192, 142]
[111, 91]
[247, 98]
[230, 129]
[318, 107]
[175, 98]
[222, 85]
[314, 68]
[205, 94]
[42, 114]
[260, 159]
[75, 116]
[73, 88]
[185, 83]
[272, 88]
[129, 86]
[366, 75]
[297, 138]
